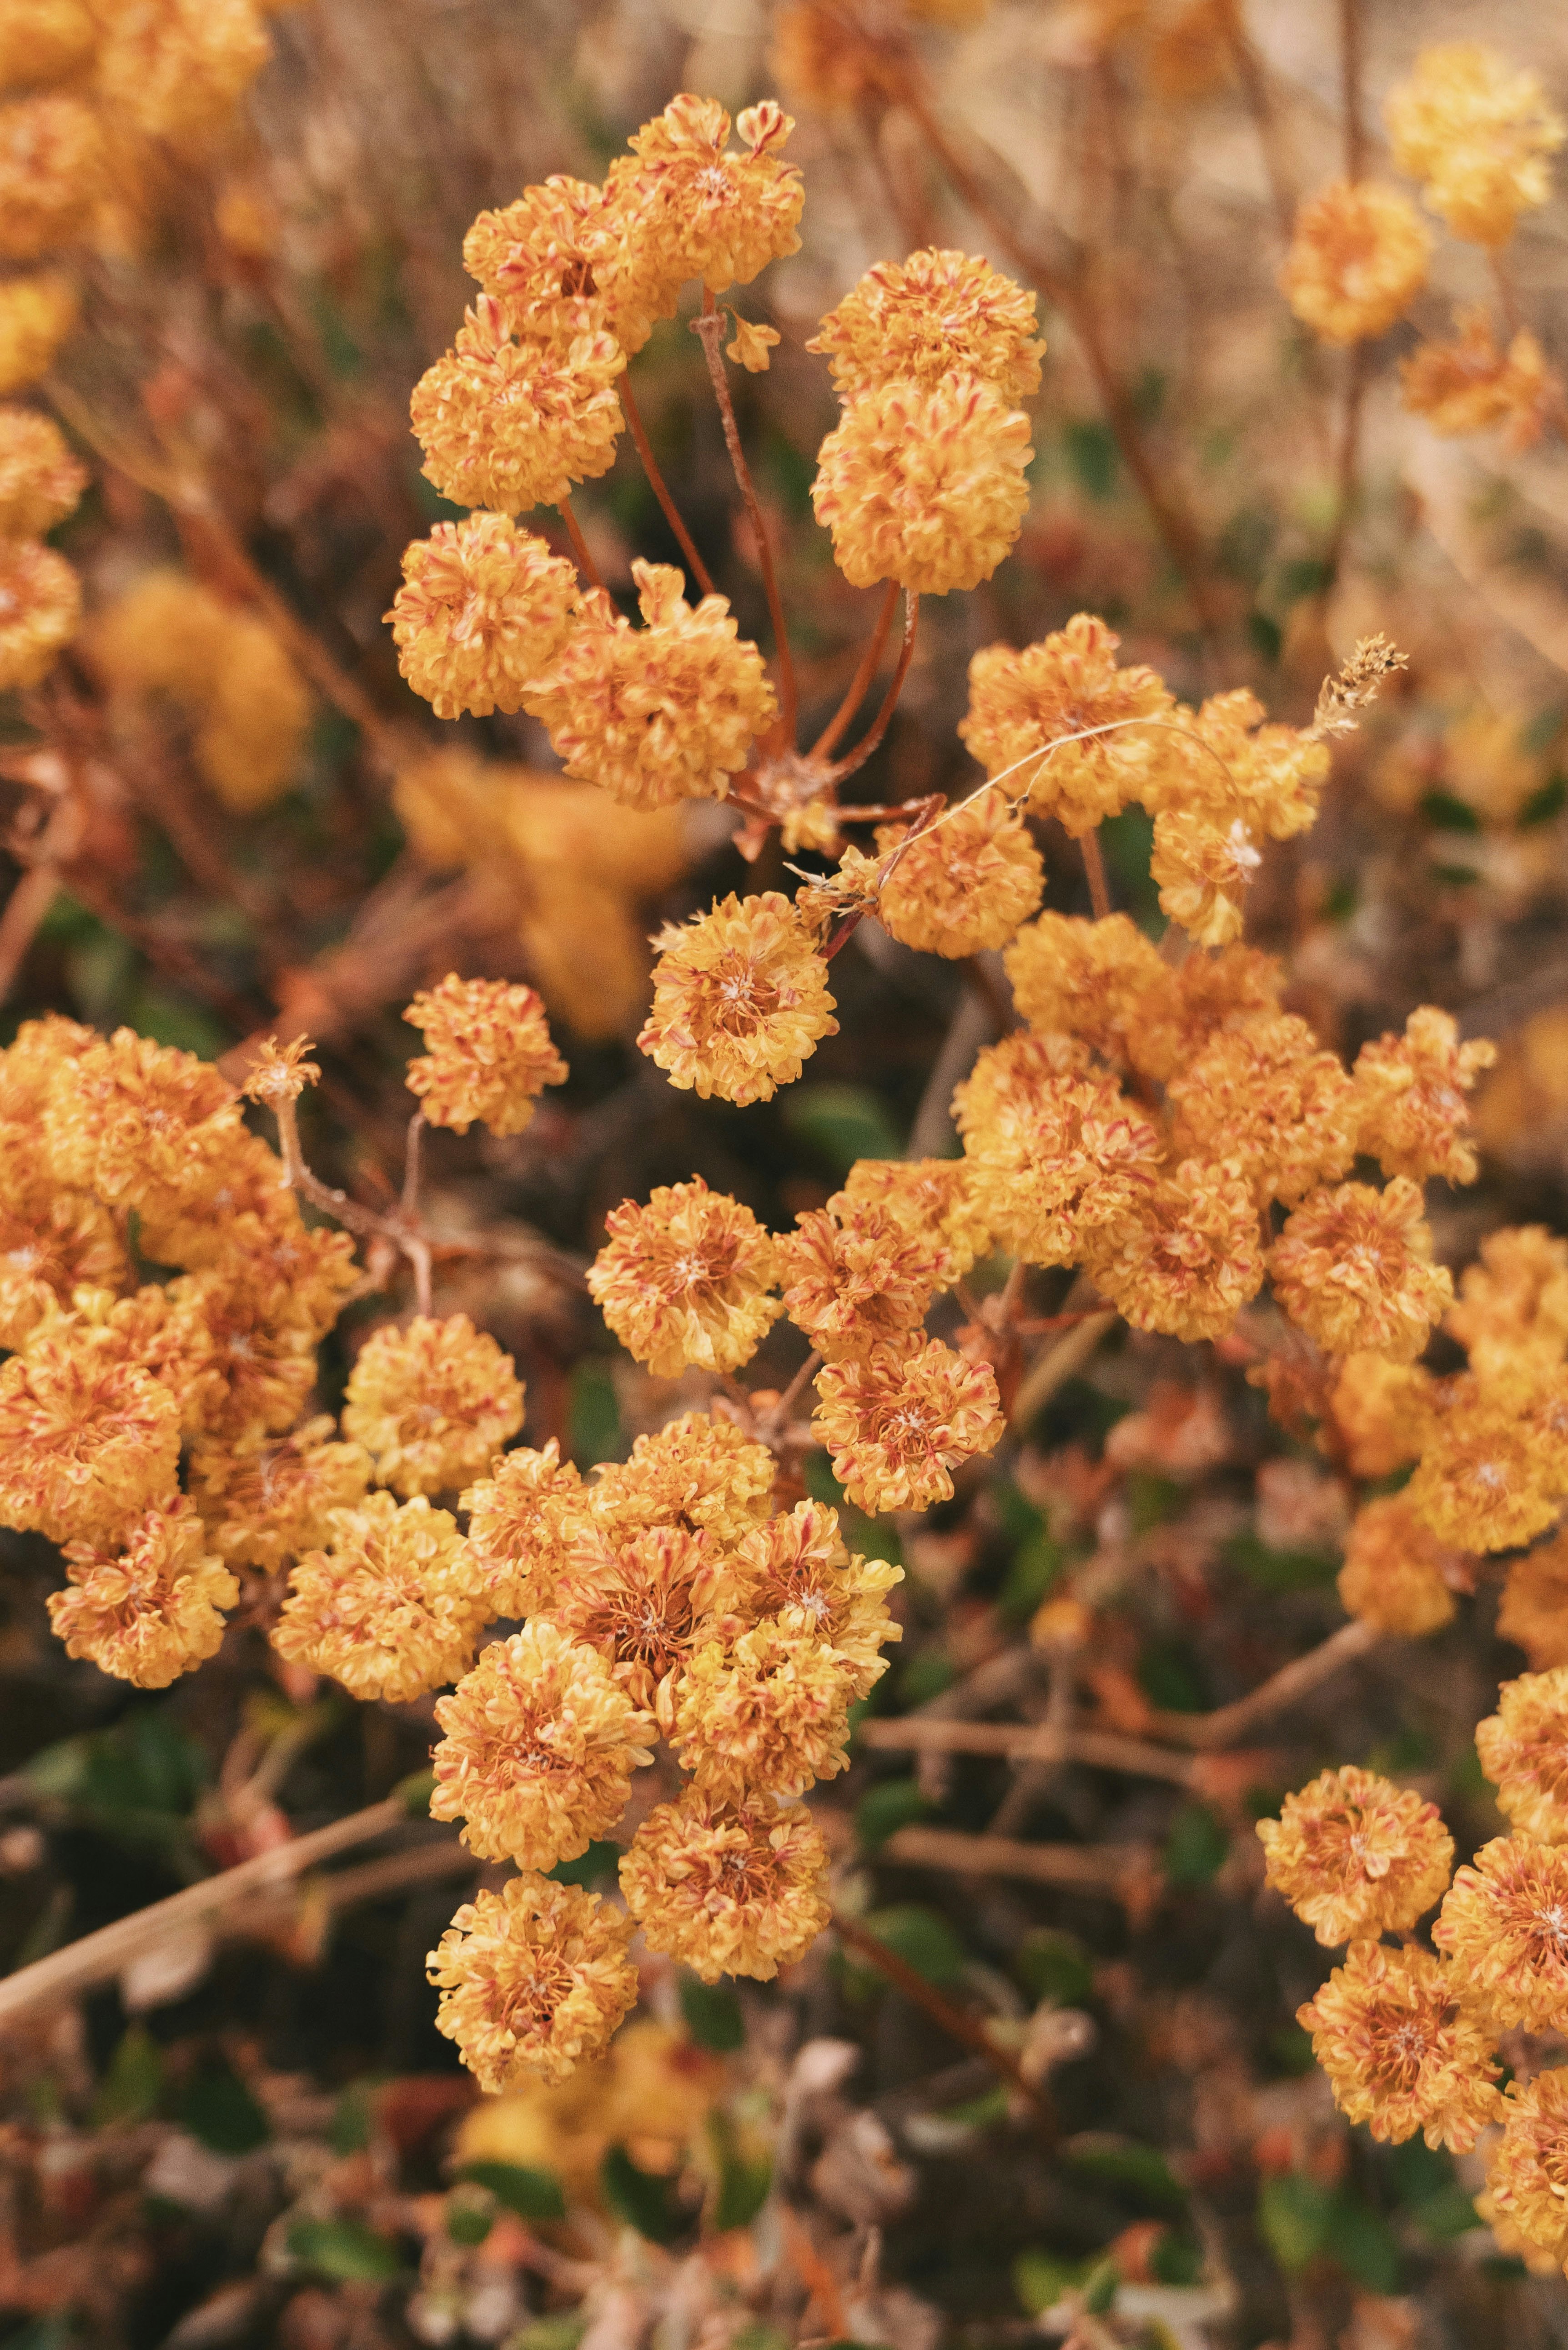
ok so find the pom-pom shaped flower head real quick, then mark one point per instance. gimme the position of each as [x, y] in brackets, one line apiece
[518, 1524]
[1402, 2050]
[1074, 978]
[740, 999]
[482, 610]
[646, 1600]
[489, 1054]
[51, 172]
[694, 209]
[432, 1403]
[1357, 261]
[1534, 1611]
[534, 1979]
[1487, 1479]
[1185, 1256]
[796, 1572]
[150, 1611]
[695, 1472]
[1353, 1269]
[963, 884]
[925, 315]
[508, 424]
[263, 1507]
[1355, 1854]
[664, 713]
[40, 481]
[1396, 1573]
[854, 1276]
[539, 1748]
[770, 1714]
[686, 1280]
[45, 41]
[728, 1890]
[391, 1606]
[1053, 1154]
[930, 1198]
[1512, 1308]
[51, 1244]
[1504, 1924]
[1477, 131]
[1523, 1750]
[897, 1424]
[560, 258]
[1528, 2174]
[924, 483]
[40, 605]
[175, 71]
[36, 314]
[1025, 709]
[1411, 1091]
[1470, 385]
[87, 1438]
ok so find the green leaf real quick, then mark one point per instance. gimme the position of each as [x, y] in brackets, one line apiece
[598, 1865]
[1279, 1570]
[1168, 1678]
[841, 1123]
[1040, 2279]
[470, 2216]
[925, 1675]
[758, 2336]
[531, 2194]
[177, 1021]
[414, 1793]
[594, 1415]
[1449, 813]
[1307, 574]
[743, 2185]
[1091, 451]
[1100, 2288]
[980, 2112]
[1196, 1847]
[1449, 2213]
[886, 1808]
[1139, 2172]
[1152, 1500]
[1265, 636]
[1291, 2049]
[712, 2015]
[353, 2117]
[642, 2199]
[1363, 2243]
[1036, 1565]
[217, 2108]
[1543, 805]
[1177, 2259]
[133, 2084]
[1053, 1965]
[345, 2249]
[1294, 2215]
[563, 2331]
[922, 1938]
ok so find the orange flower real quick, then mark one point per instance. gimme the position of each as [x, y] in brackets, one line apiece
[924, 484]
[506, 424]
[1534, 1611]
[40, 604]
[930, 1199]
[740, 999]
[433, 1402]
[728, 1890]
[1402, 2050]
[559, 257]
[539, 1748]
[770, 1715]
[262, 1508]
[532, 1979]
[1085, 979]
[1478, 130]
[40, 482]
[1026, 707]
[1357, 261]
[51, 1242]
[1396, 1576]
[1486, 1481]
[1411, 1093]
[1505, 1926]
[1054, 1157]
[1355, 1854]
[853, 1276]
[645, 1601]
[1209, 992]
[796, 1572]
[1204, 866]
[1512, 1307]
[1523, 1750]
[129, 1120]
[519, 1520]
[698, 1472]
[391, 1606]
[1469, 385]
[149, 1612]
[1353, 1269]
[1186, 1257]
[88, 1438]
[896, 1425]
[51, 172]
[685, 1279]
[1381, 1413]
[964, 883]
[1528, 2174]
[490, 1053]
[36, 314]
[927, 315]
[693, 210]
[482, 611]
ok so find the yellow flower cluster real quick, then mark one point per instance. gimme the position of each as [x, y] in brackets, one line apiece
[489, 1055]
[1469, 385]
[1357, 260]
[40, 595]
[1477, 132]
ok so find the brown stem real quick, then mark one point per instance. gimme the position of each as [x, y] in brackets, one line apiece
[1224, 1727]
[869, 743]
[828, 739]
[413, 1157]
[708, 329]
[778, 1418]
[1260, 106]
[580, 555]
[964, 2028]
[1060, 1362]
[1344, 497]
[1118, 1869]
[1020, 1742]
[656, 483]
[1095, 867]
[400, 1229]
[25, 908]
[1350, 49]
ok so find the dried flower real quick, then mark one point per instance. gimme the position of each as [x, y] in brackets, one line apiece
[1411, 1092]
[1207, 993]
[1357, 261]
[924, 484]
[796, 1572]
[1394, 1575]
[489, 1054]
[740, 999]
[1469, 385]
[1511, 1314]
[770, 1715]
[40, 605]
[1402, 2050]
[1484, 1482]
[518, 1523]
[1355, 1854]
[51, 170]
[927, 315]
[685, 1279]
[1187, 1256]
[40, 481]
[1053, 1155]
[532, 1979]
[45, 41]
[1075, 978]
[36, 314]
[895, 1425]
[1024, 708]
[1477, 131]
[128, 1120]
[696, 211]
[664, 713]
[88, 1438]
[539, 1748]
[51, 1244]
[149, 1611]
[390, 1606]
[482, 611]
[1524, 1751]
[265, 1507]
[1504, 1924]
[645, 1600]
[174, 68]
[854, 1276]
[506, 424]
[432, 1403]
[1527, 2175]
[964, 883]
[1355, 686]
[728, 1890]
[930, 1198]
[1534, 1611]
[1204, 869]
[695, 1472]
[1353, 1269]
[280, 1073]
[560, 258]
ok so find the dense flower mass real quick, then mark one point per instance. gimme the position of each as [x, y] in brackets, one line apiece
[694, 209]
[151, 1610]
[1526, 2178]
[489, 1055]
[1402, 2050]
[896, 1425]
[964, 883]
[1504, 1926]
[1353, 1268]
[728, 1890]
[1397, 1572]
[532, 1979]
[924, 484]
[740, 999]
[1354, 1854]
[390, 1605]
[1524, 1751]
[685, 1279]
[1060, 722]
[1477, 131]
[432, 1403]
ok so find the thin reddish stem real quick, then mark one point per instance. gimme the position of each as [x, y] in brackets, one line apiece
[828, 740]
[580, 555]
[964, 2028]
[698, 570]
[1350, 89]
[708, 329]
[869, 743]
[1095, 867]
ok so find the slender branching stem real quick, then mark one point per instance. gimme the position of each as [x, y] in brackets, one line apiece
[580, 555]
[828, 740]
[708, 329]
[400, 1229]
[967, 2030]
[1350, 61]
[1095, 867]
[778, 1415]
[869, 742]
[656, 482]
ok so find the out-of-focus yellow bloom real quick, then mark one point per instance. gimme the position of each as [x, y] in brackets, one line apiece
[1469, 385]
[1534, 1611]
[1090, 980]
[1528, 2191]
[173, 69]
[36, 314]
[44, 41]
[1477, 131]
[1381, 1413]
[1511, 1314]
[1393, 1577]
[1411, 1091]
[40, 481]
[1523, 1750]
[51, 172]
[1357, 261]
[40, 605]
